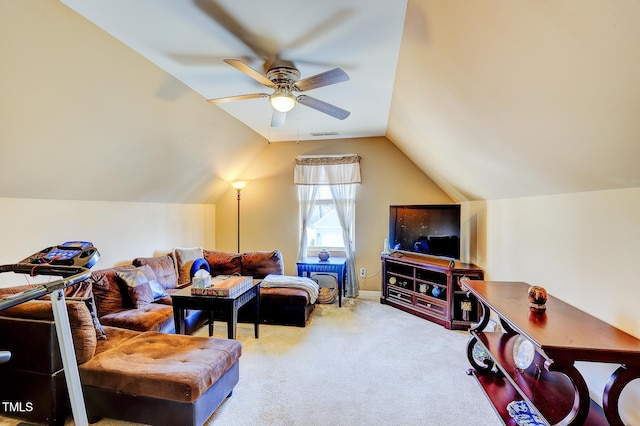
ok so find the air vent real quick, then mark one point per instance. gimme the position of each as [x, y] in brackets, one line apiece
[320, 134]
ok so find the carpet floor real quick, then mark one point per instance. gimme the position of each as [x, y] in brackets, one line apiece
[362, 364]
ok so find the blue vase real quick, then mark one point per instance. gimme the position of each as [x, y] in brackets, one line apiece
[324, 254]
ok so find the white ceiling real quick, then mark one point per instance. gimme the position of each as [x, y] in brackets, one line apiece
[190, 38]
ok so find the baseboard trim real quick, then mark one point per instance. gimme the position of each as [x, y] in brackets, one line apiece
[370, 294]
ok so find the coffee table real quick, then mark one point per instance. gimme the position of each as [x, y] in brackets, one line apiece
[219, 308]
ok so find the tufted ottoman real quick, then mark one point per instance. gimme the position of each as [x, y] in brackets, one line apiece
[161, 379]
[285, 306]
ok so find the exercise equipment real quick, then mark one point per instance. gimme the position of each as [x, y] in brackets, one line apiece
[72, 261]
[71, 253]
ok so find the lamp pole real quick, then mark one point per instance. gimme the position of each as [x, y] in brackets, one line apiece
[238, 185]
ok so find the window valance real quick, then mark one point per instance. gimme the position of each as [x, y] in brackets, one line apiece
[327, 170]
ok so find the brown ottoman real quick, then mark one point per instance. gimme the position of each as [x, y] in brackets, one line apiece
[161, 379]
[285, 306]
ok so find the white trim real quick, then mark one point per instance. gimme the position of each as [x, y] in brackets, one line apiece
[370, 294]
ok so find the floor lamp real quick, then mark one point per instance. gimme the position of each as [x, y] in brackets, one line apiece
[238, 185]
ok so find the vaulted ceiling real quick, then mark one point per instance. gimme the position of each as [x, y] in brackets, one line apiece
[491, 99]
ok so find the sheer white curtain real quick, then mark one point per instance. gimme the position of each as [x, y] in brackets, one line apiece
[307, 200]
[341, 173]
[344, 196]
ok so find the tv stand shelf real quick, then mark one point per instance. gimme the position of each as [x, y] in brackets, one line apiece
[429, 288]
[551, 385]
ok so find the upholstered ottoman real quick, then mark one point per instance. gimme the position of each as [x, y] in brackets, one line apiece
[285, 306]
[161, 379]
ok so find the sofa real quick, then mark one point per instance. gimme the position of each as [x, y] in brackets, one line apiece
[124, 296]
[118, 305]
[132, 305]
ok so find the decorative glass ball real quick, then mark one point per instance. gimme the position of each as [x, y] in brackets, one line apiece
[537, 298]
[436, 291]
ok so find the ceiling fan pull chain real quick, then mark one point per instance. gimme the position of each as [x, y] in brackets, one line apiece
[268, 130]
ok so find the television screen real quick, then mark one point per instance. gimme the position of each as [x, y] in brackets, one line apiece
[426, 229]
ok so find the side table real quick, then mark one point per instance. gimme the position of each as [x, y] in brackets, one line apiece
[335, 265]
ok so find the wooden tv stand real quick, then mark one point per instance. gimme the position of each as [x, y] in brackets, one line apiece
[561, 336]
[429, 287]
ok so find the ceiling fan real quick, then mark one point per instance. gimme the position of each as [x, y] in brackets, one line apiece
[284, 78]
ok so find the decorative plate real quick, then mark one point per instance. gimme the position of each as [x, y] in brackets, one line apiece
[523, 352]
[524, 415]
[480, 354]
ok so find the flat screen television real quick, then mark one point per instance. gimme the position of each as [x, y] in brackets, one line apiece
[430, 229]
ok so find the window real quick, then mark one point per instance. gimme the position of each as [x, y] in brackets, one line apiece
[323, 228]
[327, 196]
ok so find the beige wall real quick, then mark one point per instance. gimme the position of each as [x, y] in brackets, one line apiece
[269, 206]
[581, 247]
[120, 231]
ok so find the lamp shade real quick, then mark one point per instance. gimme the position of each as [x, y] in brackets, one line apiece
[239, 184]
[282, 101]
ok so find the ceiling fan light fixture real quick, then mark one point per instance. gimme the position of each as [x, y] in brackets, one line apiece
[282, 100]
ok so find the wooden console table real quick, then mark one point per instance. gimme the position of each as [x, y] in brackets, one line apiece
[561, 336]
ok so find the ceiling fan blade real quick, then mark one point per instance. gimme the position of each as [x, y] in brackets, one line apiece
[218, 14]
[326, 78]
[200, 60]
[237, 98]
[319, 31]
[238, 64]
[278, 118]
[322, 106]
